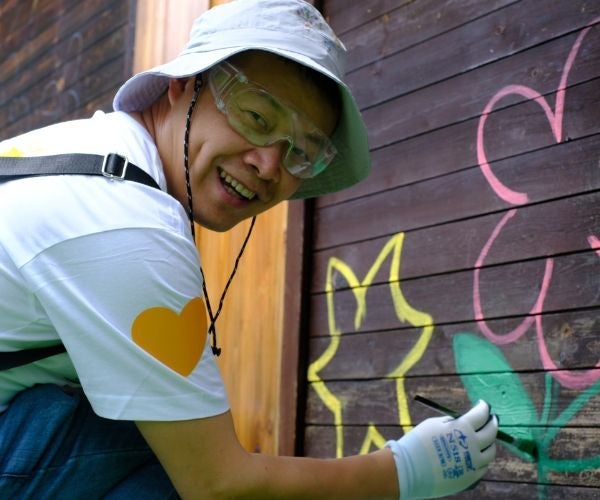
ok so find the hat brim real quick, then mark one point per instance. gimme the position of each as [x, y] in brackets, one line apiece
[351, 163]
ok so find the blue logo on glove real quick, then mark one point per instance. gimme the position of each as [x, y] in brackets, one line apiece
[462, 439]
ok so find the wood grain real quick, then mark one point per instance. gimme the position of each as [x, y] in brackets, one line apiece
[546, 229]
[381, 406]
[462, 309]
[60, 58]
[571, 339]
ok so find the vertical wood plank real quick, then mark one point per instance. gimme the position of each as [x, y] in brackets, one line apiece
[163, 29]
[250, 326]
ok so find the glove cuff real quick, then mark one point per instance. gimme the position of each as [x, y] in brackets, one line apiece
[401, 472]
[408, 478]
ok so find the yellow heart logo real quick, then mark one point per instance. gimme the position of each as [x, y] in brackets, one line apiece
[176, 340]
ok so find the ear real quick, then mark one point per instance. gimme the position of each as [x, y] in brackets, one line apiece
[176, 89]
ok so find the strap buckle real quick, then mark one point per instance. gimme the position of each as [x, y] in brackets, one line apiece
[115, 166]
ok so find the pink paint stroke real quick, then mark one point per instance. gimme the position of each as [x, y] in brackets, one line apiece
[570, 380]
[594, 242]
[512, 336]
[554, 119]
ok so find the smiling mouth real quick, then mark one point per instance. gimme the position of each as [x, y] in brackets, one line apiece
[236, 187]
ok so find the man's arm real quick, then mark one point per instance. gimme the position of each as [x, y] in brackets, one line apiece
[439, 457]
[204, 459]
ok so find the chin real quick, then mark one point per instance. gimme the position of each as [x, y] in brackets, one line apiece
[217, 226]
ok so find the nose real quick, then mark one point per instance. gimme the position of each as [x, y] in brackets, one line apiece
[268, 160]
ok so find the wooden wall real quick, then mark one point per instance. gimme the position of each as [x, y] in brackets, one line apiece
[61, 59]
[468, 265]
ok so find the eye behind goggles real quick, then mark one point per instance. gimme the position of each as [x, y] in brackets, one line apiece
[263, 120]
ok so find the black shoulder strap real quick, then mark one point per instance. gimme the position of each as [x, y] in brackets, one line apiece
[13, 359]
[113, 166]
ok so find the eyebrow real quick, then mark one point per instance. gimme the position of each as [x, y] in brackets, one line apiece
[276, 103]
[315, 138]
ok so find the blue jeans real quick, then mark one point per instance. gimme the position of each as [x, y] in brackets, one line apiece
[52, 445]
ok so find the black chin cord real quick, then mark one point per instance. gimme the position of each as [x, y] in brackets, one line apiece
[212, 330]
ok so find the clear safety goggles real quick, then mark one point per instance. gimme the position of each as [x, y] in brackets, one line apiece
[263, 120]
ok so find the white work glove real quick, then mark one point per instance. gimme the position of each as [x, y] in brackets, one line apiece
[444, 455]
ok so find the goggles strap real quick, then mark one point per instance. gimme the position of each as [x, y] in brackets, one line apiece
[212, 330]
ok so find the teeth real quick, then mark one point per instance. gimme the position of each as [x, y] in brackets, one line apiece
[237, 186]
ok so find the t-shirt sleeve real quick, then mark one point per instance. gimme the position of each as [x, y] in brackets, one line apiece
[127, 304]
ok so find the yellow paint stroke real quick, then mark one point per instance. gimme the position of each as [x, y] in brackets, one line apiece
[372, 438]
[405, 314]
[12, 153]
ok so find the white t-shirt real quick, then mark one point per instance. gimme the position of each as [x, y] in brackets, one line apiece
[109, 268]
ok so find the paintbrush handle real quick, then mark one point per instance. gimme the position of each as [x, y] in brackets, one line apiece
[524, 445]
[501, 435]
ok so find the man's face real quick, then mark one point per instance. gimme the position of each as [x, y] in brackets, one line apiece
[231, 178]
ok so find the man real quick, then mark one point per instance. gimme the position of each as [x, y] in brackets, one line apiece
[253, 112]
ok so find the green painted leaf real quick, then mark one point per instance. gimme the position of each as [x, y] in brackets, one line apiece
[486, 374]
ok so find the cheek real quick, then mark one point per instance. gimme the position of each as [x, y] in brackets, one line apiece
[212, 136]
[289, 184]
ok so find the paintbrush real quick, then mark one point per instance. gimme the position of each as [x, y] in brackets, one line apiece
[524, 445]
